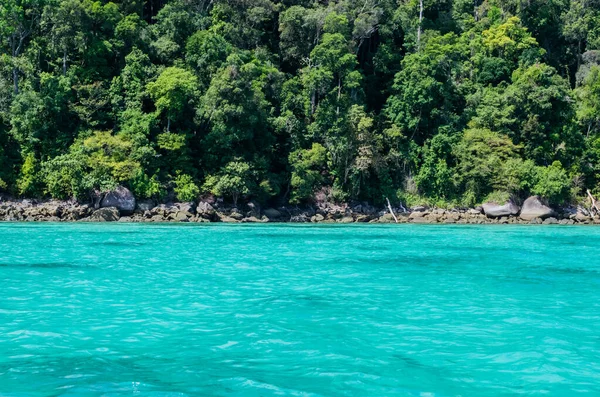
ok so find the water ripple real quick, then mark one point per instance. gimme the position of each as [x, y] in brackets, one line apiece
[270, 310]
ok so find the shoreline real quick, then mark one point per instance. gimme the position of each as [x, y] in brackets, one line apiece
[145, 212]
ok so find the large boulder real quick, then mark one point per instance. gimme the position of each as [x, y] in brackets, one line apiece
[272, 213]
[121, 198]
[189, 207]
[108, 214]
[533, 208]
[205, 208]
[494, 210]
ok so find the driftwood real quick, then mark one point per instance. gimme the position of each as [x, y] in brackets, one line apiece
[391, 210]
[594, 202]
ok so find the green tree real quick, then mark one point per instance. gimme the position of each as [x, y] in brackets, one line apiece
[234, 180]
[99, 162]
[308, 167]
[173, 91]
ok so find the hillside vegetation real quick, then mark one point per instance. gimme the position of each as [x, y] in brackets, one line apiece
[446, 102]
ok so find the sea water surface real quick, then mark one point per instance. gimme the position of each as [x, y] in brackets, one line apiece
[292, 310]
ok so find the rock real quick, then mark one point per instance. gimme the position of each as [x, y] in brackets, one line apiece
[251, 219]
[272, 213]
[422, 220]
[566, 222]
[299, 219]
[346, 219]
[363, 218]
[207, 211]
[186, 207]
[418, 208]
[120, 198]
[475, 211]
[205, 208]
[317, 218]
[534, 208]
[415, 215]
[535, 221]
[581, 217]
[387, 218]
[236, 215]
[551, 221]
[146, 205]
[453, 216]
[228, 219]
[253, 209]
[182, 216]
[107, 214]
[494, 210]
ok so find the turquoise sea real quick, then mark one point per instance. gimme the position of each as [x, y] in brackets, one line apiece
[294, 310]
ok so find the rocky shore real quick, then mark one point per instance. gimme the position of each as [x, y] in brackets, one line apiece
[121, 206]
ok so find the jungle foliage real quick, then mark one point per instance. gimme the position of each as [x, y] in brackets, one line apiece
[441, 101]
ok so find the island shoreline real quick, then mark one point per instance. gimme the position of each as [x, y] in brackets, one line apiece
[31, 210]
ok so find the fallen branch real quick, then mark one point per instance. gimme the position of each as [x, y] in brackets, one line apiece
[594, 203]
[391, 210]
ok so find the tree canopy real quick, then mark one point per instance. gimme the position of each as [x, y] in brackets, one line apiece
[450, 102]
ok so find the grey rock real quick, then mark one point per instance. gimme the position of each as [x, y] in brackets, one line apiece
[120, 198]
[182, 216]
[299, 219]
[146, 205]
[551, 221]
[533, 208]
[422, 220]
[582, 217]
[253, 209]
[387, 218]
[272, 213]
[251, 219]
[205, 208]
[317, 218]
[187, 207]
[107, 214]
[236, 215]
[494, 210]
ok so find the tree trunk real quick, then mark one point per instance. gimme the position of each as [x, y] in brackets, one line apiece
[420, 22]
[391, 210]
[64, 62]
[594, 203]
[16, 79]
[338, 96]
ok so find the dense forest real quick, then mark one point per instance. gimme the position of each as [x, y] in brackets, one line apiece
[445, 102]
